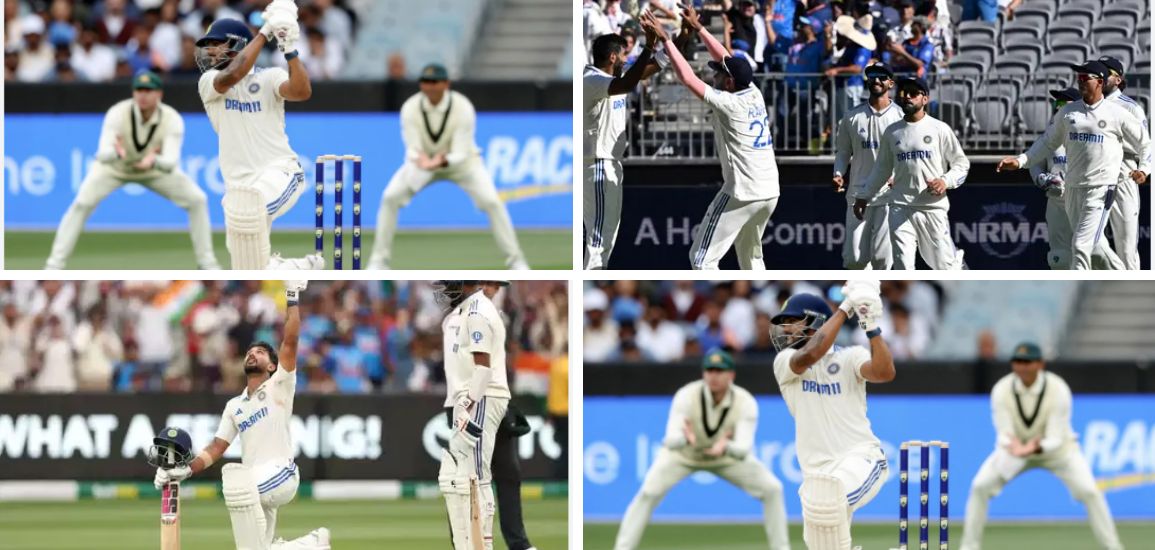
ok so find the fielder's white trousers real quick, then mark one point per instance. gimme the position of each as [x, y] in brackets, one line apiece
[668, 469]
[1059, 238]
[729, 221]
[1088, 209]
[1125, 221]
[1068, 465]
[102, 180]
[472, 177]
[925, 231]
[867, 243]
[601, 210]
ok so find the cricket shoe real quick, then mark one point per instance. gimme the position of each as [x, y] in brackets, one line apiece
[519, 265]
[311, 261]
[377, 265]
[318, 539]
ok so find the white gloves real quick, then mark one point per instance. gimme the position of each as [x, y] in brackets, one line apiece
[293, 289]
[163, 477]
[287, 37]
[863, 301]
[281, 24]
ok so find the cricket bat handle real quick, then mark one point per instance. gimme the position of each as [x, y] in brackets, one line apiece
[170, 516]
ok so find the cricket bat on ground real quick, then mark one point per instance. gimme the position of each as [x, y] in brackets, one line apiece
[475, 536]
[170, 516]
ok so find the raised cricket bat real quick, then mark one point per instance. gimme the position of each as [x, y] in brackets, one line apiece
[170, 516]
[475, 536]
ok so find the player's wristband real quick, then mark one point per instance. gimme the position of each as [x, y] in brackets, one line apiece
[289, 56]
[872, 333]
[206, 459]
[291, 298]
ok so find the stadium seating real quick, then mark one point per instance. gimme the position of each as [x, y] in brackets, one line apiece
[1135, 11]
[1115, 322]
[1085, 10]
[1122, 49]
[432, 31]
[1035, 111]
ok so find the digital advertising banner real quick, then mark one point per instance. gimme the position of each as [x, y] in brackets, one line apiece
[1117, 435]
[105, 437]
[529, 155]
[998, 226]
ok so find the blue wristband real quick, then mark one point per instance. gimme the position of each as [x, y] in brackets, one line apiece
[873, 333]
[291, 55]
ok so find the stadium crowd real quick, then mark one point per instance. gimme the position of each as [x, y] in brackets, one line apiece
[105, 40]
[668, 321]
[183, 336]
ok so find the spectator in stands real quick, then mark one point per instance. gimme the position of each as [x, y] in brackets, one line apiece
[11, 63]
[858, 46]
[323, 58]
[901, 32]
[37, 58]
[600, 335]
[141, 56]
[711, 332]
[336, 24]
[93, 61]
[595, 23]
[15, 343]
[348, 366]
[908, 338]
[737, 311]
[683, 303]
[819, 12]
[762, 346]
[938, 31]
[55, 371]
[198, 20]
[557, 406]
[626, 305]
[13, 35]
[660, 338]
[61, 31]
[883, 13]
[986, 10]
[781, 16]
[615, 16]
[154, 338]
[739, 25]
[668, 13]
[114, 24]
[166, 35]
[187, 65]
[128, 373]
[97, 349]
[916, 55]
[63, 71]
[804, 58]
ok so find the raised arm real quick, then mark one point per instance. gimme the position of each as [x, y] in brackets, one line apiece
[628, 81]
[817, 346]
[718, 52]
[297, 87]
[880, 368]
[682, 68]
[239, 66]
[288, 351]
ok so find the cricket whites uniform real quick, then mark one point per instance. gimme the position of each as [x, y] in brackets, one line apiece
[603, 145]
[867, 241]
[446, 128]
[162, 133]
[255, 156]
[1043, 411]
[832, 433]
[741, 210]
[1094, 137]
[262, 420]
[1058, 225]
[736, 414]
[916, 153]
[1124, 217]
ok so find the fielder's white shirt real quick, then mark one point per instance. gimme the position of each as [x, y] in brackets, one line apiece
[915, 153]
[859, 136]
[482, 331]
[162, 132]
[262, 420]
[736, 414]
[745, 146]
[450, 332]
[1094, 136]
[605, 117]
[449, 127]
[250, 120]
[1042, 410]
[1056, 164]
[828, 402]
[1132, 159]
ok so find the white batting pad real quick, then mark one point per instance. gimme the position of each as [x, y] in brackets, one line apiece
[243, 501]
[825, 513]
[247, 228]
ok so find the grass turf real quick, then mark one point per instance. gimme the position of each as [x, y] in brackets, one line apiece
[544, 249]
[871, 536]
[355, 525]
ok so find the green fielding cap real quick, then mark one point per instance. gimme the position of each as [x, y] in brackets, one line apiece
[434, 72]
[718, 359]
[146, 80]
[1027, 351]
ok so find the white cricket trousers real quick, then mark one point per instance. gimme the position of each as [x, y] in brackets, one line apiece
[926, 231]
[867, 243]
[668, 469]
[1125, 221]
[601, 210]
[1069, 466]
[1088, 209]
[1059, 239]
[729, 221]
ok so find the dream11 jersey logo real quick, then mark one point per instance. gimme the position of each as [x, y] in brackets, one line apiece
[1003, 231]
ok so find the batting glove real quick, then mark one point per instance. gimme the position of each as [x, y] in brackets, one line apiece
[868, 309]
[293, 290]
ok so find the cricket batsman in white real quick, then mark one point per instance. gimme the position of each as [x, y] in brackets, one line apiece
[140, 142]
[824, 386]
[437, 127]
[480, 396]
[740, 211]
[867, 241]
[1094, 132]
[711, 428]
[1032, 416]
[267, 477]
[925, 160]
[263, 178]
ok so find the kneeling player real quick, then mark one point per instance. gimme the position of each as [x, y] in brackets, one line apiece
[711, 428]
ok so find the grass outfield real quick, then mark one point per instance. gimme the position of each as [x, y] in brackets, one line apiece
[545, 249]
[355, 525]
[872, 536]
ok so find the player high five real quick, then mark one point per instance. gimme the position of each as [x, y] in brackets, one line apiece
[246, 106]
[824, 386]
[267, 477]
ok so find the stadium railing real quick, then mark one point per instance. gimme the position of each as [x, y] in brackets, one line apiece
[992, 113]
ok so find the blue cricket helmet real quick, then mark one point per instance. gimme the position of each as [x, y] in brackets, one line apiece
[170, 448]
[812, 310]
[234, 34]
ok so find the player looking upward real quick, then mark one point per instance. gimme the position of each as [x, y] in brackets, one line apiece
[824, 386]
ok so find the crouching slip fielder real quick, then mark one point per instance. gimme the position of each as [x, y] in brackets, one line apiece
[263, 178]
[480, 399]
[140, 142]
[266, 478]
[926, 160]
[1032, 416]
[843, 466]
[437, 126]
[740, 211]
[711, 428]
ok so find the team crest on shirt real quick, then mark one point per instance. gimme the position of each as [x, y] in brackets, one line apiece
[1102, 123]
[926, 139]
[261, 396]
[254, 88]
[476, 336]
[833, 369]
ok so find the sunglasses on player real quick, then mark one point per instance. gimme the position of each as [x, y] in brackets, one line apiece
[1089, 77]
